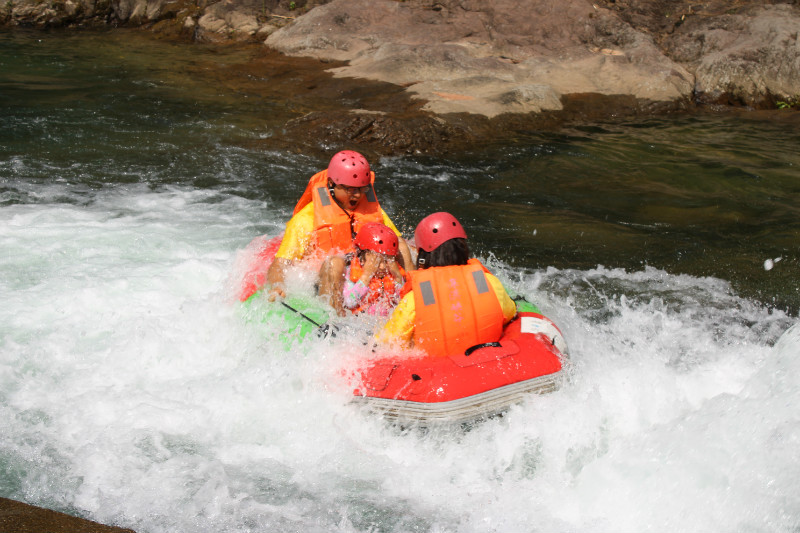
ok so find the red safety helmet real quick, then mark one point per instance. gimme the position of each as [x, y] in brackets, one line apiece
[378, 238]
[350, 169]
[436, 229]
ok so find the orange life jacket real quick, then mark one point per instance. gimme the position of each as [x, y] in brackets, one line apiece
[382, 288]
[334, 228]
[456, 308]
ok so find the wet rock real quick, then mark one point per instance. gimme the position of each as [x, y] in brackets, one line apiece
[525, 94]
[378, 132]
[224, 21]
[474, 56]
[17, 517]
[750, 58]
[741, 52]
[44, 14]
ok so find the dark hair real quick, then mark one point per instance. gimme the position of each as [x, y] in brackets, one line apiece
[452, 252]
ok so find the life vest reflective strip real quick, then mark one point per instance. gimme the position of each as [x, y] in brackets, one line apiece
[379, 288]
[334, 228]
[408, 287]
[455, 308]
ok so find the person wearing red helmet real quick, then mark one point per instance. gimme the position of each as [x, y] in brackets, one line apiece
[372, 278]
[336, 203]
[452, 301]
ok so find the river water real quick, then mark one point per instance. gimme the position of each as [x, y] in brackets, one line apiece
[133, 392]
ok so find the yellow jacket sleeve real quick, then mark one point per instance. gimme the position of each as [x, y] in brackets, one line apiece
[388, 222]
[297, 237]
[506, 303]
[400, 327]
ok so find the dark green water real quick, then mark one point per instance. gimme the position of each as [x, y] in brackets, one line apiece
[701, 195]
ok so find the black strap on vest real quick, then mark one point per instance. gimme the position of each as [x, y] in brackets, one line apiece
[471, 349]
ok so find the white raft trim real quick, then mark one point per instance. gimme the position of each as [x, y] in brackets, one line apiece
[545, 326]
[477, 406]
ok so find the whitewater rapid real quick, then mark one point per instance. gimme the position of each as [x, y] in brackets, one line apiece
[132, 392]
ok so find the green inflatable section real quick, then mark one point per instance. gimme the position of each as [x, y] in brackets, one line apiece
[292, 320]
[523, 305]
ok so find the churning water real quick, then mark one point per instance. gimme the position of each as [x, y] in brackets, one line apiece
[133, 392]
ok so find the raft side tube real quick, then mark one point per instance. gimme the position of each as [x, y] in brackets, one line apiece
[526, 360]
[262, 252]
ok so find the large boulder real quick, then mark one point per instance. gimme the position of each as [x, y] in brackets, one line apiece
[751, 57]
[488, 57]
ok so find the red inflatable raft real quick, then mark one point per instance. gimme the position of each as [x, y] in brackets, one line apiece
[421, 390]
[482, 382]
[260, 254]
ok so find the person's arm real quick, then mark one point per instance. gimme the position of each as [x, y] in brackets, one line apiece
[293, 247]
[399, 275]
[276, 275]
[400, 327]
[353, 293]
[405, 254]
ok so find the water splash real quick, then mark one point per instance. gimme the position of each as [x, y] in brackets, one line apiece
[134, 393]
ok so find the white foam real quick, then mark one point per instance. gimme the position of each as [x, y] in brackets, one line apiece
[132, 391]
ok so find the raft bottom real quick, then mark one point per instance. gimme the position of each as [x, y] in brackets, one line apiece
[462, 410]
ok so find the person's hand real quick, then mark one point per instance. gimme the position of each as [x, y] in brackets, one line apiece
[371, 265]
[277, 291]
[394, 270]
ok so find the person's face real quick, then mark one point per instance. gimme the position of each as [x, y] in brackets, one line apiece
[349, 197]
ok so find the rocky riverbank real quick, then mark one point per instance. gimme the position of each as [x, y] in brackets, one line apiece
[467, 69]
[495, 57]
[16, 517]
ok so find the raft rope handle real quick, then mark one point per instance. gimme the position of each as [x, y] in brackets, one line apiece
[324, 329]
[471, 349]
[290, 308]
